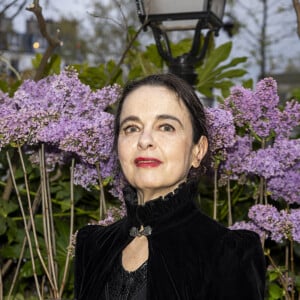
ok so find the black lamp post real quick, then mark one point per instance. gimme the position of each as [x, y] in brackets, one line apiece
[164, 16]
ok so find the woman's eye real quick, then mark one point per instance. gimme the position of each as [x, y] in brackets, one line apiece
[130, 129]
[167, 127]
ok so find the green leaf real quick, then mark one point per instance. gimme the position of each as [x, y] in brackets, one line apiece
[273, 276]
[206, 91]
[26, 270]
[275, 291]
[181, 47]
[6, 208]
[3, 225]
[225, 84]
[53, 66]
[153, 55]
[297, 281]
[36, 60]
[217, 56]
[248, 84]
[232, 74]
[15, 297]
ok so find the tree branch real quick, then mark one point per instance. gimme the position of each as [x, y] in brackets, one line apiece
[53, 42]
[296, 5]
[7, 6]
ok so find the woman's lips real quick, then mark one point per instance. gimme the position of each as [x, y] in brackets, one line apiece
[147, 162]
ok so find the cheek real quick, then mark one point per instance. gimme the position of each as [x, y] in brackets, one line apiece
[124, 150]
[180, 152]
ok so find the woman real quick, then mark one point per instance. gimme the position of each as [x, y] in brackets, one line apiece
[165, 248]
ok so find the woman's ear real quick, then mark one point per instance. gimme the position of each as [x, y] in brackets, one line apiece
[199, 151]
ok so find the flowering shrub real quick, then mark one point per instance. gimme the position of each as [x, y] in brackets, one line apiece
[264, 157]
[68, 117]
[253, 143]
[60, 124]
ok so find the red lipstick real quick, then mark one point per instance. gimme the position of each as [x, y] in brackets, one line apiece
[147, 162]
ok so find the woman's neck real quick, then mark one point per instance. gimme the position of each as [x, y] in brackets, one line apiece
[145, 195]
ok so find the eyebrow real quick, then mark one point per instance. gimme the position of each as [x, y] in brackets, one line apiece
[166, 117]
[159, 117]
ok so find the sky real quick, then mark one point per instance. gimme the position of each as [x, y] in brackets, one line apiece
[288, 45]
[55, 9]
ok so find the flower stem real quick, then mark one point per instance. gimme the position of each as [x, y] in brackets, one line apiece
[32, 219]
[281, 276]
[102, 196]
[47, 222]
[215, 190]
[69, 252]
[35, 206]
[292, 262]
[25, 227]
[229, 203]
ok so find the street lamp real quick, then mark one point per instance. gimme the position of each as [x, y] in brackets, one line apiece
[164, 16]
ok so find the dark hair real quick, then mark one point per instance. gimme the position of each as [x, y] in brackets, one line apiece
[181, 89]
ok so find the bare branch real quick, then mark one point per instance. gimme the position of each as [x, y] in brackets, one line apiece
[296, 5]
[53, 42]
[21, 6]
[112, 20]
[117, 67]
[9, 6]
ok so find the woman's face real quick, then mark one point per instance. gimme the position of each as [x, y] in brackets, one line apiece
[155, 144]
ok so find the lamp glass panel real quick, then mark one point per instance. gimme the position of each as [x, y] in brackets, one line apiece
[217, 7]
[178, 25]
[156, 7]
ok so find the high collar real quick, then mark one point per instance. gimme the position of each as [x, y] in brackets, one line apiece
[157, 210]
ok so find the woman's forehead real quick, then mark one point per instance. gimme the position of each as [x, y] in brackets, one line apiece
[152, 98]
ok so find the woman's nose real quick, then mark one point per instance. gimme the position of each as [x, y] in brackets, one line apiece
[146, 140]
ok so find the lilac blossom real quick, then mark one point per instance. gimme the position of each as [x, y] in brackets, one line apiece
[294, 218]
[272, 161]
[249, 226]
[274, 222]
[113, 214]
[268, 222]
[286, 186]
[90, 139]
[256, 110]
[237, 155]
[53, 157]
[67, 115]
[85, 175]
[288, 119]
[221, 130]
[266, 92]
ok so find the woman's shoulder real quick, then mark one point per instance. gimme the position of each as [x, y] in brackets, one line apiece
[240, 239]
[92, 232]
[240, 245]
[240, 266]
[228, 237]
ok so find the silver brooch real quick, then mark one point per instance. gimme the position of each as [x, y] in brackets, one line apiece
[134, 231]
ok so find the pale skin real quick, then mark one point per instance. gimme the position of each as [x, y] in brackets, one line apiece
[156, 152]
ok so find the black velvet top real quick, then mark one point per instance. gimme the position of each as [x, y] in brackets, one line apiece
[124, 285]
[191, 256]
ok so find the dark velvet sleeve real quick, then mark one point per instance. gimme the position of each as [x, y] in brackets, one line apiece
[240, 267]
[81, 255]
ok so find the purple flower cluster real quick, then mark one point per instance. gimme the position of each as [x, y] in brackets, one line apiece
[221, 131]
[112, 215]
[237, 155]
[286, 186]
[267, 221]
[264, 145]
[259, 110]
[68, 117]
